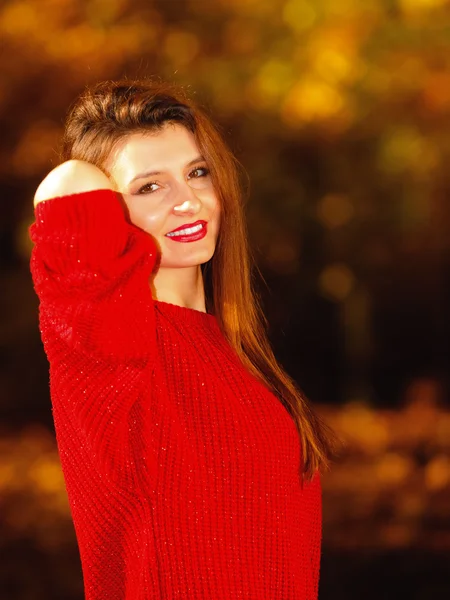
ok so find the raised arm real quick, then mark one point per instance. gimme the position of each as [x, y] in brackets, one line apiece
[90, 266]
[71, 177]
[91, 271]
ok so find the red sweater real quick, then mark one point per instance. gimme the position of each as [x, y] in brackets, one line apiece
[181, 467]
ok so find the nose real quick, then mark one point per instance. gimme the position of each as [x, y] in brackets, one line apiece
[186, 202]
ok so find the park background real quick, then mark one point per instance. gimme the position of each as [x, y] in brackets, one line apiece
[339, 110]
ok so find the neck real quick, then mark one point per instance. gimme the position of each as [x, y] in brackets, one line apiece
[183, 287]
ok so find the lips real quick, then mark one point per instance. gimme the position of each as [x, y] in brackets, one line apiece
[190, 232]
[187, 226]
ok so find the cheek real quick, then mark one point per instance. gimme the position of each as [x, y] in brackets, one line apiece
[148, 218]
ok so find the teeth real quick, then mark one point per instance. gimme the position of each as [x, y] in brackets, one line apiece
[186, 231]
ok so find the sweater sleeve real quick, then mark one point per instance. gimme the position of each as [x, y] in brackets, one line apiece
[91, 272]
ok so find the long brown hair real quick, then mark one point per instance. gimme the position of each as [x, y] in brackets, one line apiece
[111, 110]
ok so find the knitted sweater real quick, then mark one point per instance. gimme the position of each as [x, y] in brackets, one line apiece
[181, 467]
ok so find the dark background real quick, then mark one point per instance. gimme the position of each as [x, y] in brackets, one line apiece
[340, 113]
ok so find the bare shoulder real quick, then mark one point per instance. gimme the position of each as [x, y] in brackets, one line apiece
[71, 177]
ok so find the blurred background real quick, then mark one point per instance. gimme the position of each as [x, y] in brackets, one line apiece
[339, 110]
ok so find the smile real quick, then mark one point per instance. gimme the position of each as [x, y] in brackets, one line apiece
[189, 234]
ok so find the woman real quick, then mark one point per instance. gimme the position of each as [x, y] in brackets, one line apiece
[191, 460]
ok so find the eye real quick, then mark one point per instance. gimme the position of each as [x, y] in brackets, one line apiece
[149, 188]
[199, 172]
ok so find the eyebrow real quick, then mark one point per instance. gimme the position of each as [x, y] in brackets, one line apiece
[197, 159]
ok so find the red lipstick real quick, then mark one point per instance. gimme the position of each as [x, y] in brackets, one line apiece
[190, 232]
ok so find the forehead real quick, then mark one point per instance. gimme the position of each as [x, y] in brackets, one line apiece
[170, 147]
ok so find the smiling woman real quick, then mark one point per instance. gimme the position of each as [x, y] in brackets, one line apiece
[169, 193]
[191, 459]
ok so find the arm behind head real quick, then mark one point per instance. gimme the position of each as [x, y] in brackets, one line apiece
[71, 177]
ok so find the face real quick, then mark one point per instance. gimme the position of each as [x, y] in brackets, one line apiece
[167, 187]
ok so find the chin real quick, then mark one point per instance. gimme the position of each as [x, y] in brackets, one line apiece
[193, 259]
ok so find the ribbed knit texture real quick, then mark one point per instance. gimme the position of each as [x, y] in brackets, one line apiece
[181, 467]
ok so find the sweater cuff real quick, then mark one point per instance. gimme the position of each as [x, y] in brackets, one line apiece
[97, 217]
